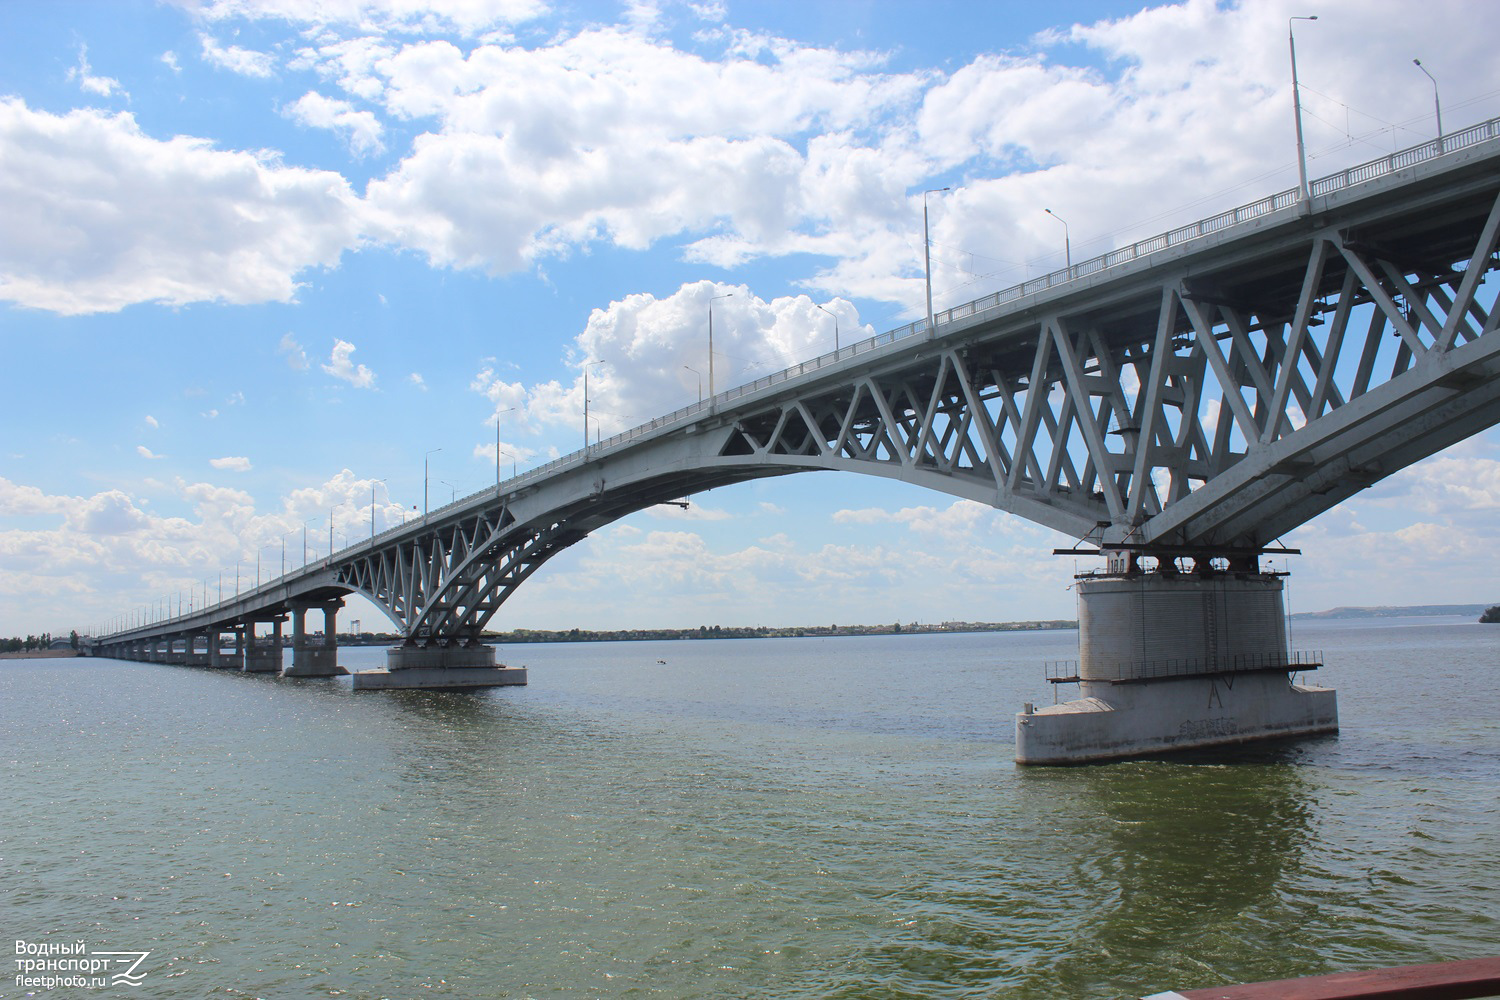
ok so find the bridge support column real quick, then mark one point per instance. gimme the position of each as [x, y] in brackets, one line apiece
[263, 653]
[313, 656]
[439, 668]
[1171, 661]
[236, 658]
[195, 658]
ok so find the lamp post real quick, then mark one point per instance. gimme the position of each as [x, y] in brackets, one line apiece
[305, 523]
[927, 258]
[700, 380]
[497, 441]
[1067, 240]
[453, 490]
[1297, 106]
[586, 366]
[372, 505]
[330, 525]
[424, 481]
[835, 328]
[512, 463]
[711, 300]
[1437, 105]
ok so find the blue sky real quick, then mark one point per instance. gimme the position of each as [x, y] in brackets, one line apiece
[262, 258]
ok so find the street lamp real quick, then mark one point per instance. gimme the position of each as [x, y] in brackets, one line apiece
[305, 523]
[497, 441]
[711, 300]
[424, 481]
[1436, 104]
[927, 258]
[1067, 239]
[1297, 106]
[283, 548]
[453, 490]
[330, 525]
[835, 329]
[586, 366]
[372, 505]
[700, 380]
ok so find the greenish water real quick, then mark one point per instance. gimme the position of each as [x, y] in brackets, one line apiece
[781, 818]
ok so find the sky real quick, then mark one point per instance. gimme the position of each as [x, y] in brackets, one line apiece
[271, 268]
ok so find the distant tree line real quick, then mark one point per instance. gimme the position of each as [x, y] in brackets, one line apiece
[15, 644]
[1491, 616]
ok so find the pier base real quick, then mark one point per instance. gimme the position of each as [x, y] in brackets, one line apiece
[438, 668]
[1173, 661]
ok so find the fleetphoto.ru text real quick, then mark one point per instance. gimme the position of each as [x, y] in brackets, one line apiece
[49, 965]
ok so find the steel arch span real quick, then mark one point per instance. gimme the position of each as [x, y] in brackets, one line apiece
[1201, 392]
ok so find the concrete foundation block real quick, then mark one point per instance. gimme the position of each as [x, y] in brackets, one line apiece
[439, 668]
[263, 661]
[319, 661]
[1113, 722]
[438, 678]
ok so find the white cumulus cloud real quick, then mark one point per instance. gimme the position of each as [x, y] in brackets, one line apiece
[361, 129]
[245, 62]
[99, 215]
[231, 463]
[341, 367]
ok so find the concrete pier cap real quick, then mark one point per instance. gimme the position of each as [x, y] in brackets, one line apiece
[1177, 652]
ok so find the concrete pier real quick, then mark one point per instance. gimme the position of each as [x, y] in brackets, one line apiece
[439, 668]
[263, 653]
[315, 656]
[1172, 661]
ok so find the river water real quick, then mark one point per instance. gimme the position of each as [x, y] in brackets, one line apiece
[835, 817]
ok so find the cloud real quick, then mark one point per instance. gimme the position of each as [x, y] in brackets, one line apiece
[231, 463]
[655, 350]
[361, 129]
[463, 17]
[104, 86]
[147, 453]
[339, 366]
[150, 420]
[169, 59]
[747, 147]
[100, 215]
[108, 552]
[417, 380]
[237, 60]
[296, 355]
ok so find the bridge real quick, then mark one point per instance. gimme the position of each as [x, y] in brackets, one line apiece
[1175, 405]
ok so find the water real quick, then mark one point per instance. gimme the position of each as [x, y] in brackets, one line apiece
[784, 818]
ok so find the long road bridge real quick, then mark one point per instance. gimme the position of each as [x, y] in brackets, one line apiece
[1175, 405]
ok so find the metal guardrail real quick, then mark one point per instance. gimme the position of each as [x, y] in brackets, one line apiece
[1066, 671]
[1383, 166]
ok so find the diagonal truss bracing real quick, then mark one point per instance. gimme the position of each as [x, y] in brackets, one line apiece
[1206, 406]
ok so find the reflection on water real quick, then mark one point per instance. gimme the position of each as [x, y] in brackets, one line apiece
[778, 818]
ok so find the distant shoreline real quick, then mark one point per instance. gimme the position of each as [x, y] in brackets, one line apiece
[1413, 611]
